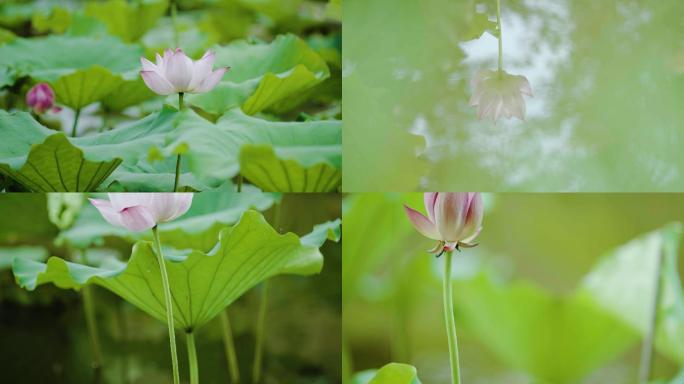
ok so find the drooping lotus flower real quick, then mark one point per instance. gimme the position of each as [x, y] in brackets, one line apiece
[41, 97]
[140, 211]
[454, 219]
[175, 72]
[499, 94]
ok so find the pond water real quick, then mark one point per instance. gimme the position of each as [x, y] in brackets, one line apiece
[607, 78]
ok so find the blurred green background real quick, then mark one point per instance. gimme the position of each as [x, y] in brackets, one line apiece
[606, 115]
[43, 336]
[551, 295]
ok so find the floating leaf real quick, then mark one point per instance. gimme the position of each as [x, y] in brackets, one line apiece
[263, 76]
[392, 373]
[127, 20]
[212, 150]
[624, 283]
[202, 284]
[45, 161]
[85, 87]
[62, 55]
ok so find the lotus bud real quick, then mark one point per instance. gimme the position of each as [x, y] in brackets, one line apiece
[453, 219]
[41, 97]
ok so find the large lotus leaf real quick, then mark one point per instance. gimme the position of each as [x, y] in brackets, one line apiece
[210, 212]
[7, 254]
[212, 150]
[157, 176]
[523, 325]
[392, 373]
[85, 86]
[263, 76]
[45, 161]
[261, 166]
[126, 94]
[49, 58]
[329, 230]
[624, 283]
[129, 21]
[202, 284]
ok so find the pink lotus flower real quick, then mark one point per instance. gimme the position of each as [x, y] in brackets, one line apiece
[177, 73]
[140, 211]
[41, 97]
[500, 94]
[454, 219]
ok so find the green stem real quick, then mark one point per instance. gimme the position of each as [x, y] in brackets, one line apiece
[229, 345]
[169, 305]
[192, 357]
[91, 323]
[180, 101]
[498, 22]
[261, 320]
[174, 21]
[239, 182]
[647, 349]
[451, 322]
[73, 128]
[177, 177]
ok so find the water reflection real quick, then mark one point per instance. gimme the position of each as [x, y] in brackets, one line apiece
[606, 77]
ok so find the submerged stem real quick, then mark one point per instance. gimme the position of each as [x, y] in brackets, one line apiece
[450, 321]
[192, 357]
[647, 349]
[73, 127]
[229, 344]
[498, 22]
[261, 320]
[169, 304]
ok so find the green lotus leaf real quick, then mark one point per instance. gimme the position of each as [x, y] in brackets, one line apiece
[49, 58]
[210, 212]
[57, 21]
[212, 150]
[126, 94]
[202, 284]
[85, 86]
[262, 77]
[7, 254]
[392, 373]
[129, 21]
[63, 208]
[45, 161]
[6, 36]
[540, 324]
[261, 166]
[329, 230]
[624, 283]
[157, 176]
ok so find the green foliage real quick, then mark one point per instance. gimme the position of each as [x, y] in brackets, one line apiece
[126, 94]
[212, 150]
[392, 373]
[272, 77]
[46, 58]
[127, 20]
[85, 87]
[63, 208]
[57, 21]
[202, 284]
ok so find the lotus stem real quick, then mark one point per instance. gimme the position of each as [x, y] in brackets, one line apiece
[177, 177]
[192, 357]
[239, 182]
[91, 323]
[646, 365]
[76, 116]
[261, 321]
[498, 22]
[451, 322]
[229, 344]
[169, 304]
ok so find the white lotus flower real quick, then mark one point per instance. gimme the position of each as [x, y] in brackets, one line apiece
[175, 72]
[500, 94]
[140, 211]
